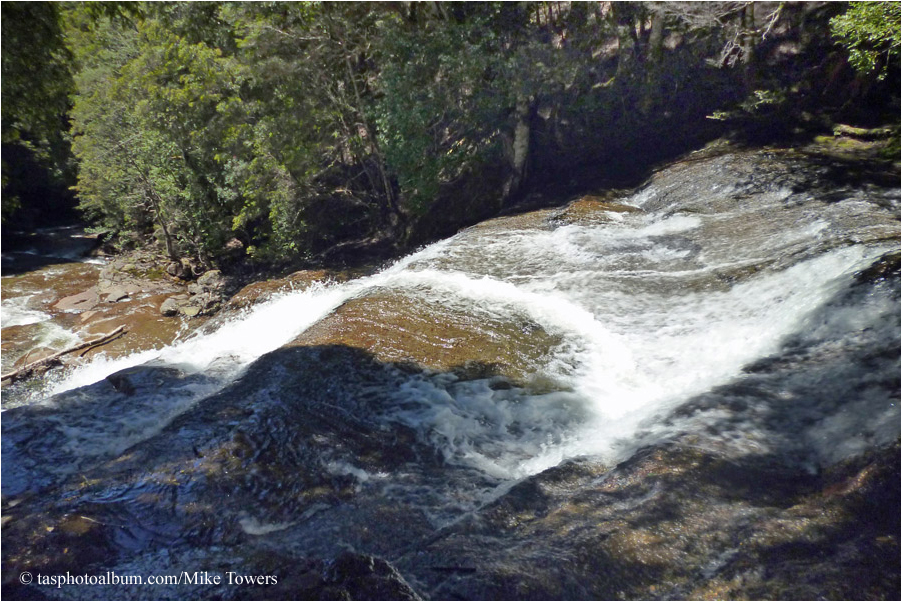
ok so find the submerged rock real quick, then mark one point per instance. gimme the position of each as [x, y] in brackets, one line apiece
[363, 577]
[678, 522]
[887, 266]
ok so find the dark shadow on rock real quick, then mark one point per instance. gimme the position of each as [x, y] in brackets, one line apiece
[291, 455]
[301, 470]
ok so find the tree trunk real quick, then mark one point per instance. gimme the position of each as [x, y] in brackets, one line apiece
[519, 153]
[747, 39]
[156, 203]
[167, 237]
[396, 216]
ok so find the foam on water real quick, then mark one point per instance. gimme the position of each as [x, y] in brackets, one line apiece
[232, 346]
[645, 319]
[15, 312]
[617, 373]
[243, 338]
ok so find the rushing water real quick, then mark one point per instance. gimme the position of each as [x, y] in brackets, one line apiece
[701, 303]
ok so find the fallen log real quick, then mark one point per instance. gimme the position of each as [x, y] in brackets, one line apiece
[29, 368]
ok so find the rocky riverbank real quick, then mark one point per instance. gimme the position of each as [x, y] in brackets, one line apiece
[63, 300]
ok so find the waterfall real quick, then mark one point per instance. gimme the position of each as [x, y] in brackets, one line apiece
[668, 295]
[561, 400]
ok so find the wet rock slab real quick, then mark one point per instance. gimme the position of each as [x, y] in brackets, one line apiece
[244, 468]
[261, 291]
[678, 522]
[398, 328]
[595, 209]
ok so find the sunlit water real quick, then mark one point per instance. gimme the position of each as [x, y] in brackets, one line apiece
[653, 307]
[723, 303]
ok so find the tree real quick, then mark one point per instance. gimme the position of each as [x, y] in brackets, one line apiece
[872, 34]
[215, 121]
[36, 83]
[310, 66]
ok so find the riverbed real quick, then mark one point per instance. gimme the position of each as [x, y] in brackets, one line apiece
[687, 390]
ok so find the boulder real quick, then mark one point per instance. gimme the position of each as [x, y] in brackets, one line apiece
[170, 307]
[180, 269]
[189, 310]
[211, 280]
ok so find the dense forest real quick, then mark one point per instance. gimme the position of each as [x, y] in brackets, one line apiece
[276, 132]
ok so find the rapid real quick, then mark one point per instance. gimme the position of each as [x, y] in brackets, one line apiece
[742, 306]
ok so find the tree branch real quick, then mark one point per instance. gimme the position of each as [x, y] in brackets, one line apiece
[28, 368]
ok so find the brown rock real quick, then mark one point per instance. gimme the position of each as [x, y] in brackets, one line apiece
[258, 292]
[34, 355]
[85, 316]
[434, 336]
[593, 210]
[79, 302]
[118, 293]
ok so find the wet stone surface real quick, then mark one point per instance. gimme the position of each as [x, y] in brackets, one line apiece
[398, 328]
[688, 393]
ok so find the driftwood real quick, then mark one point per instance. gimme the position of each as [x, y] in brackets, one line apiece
[28, 368]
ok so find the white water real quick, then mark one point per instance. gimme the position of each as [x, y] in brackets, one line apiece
[629, 358]
[653, 308]
[243, 338]
[15, 312]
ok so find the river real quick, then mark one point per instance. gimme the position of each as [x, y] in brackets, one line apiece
[641, 395]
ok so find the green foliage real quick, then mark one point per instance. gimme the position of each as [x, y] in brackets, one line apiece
[440, 109]
[217, 121]
[872, 34]
[145, 106]
[36, 82]
[759, 102]
[449, 88]
[294, 126]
